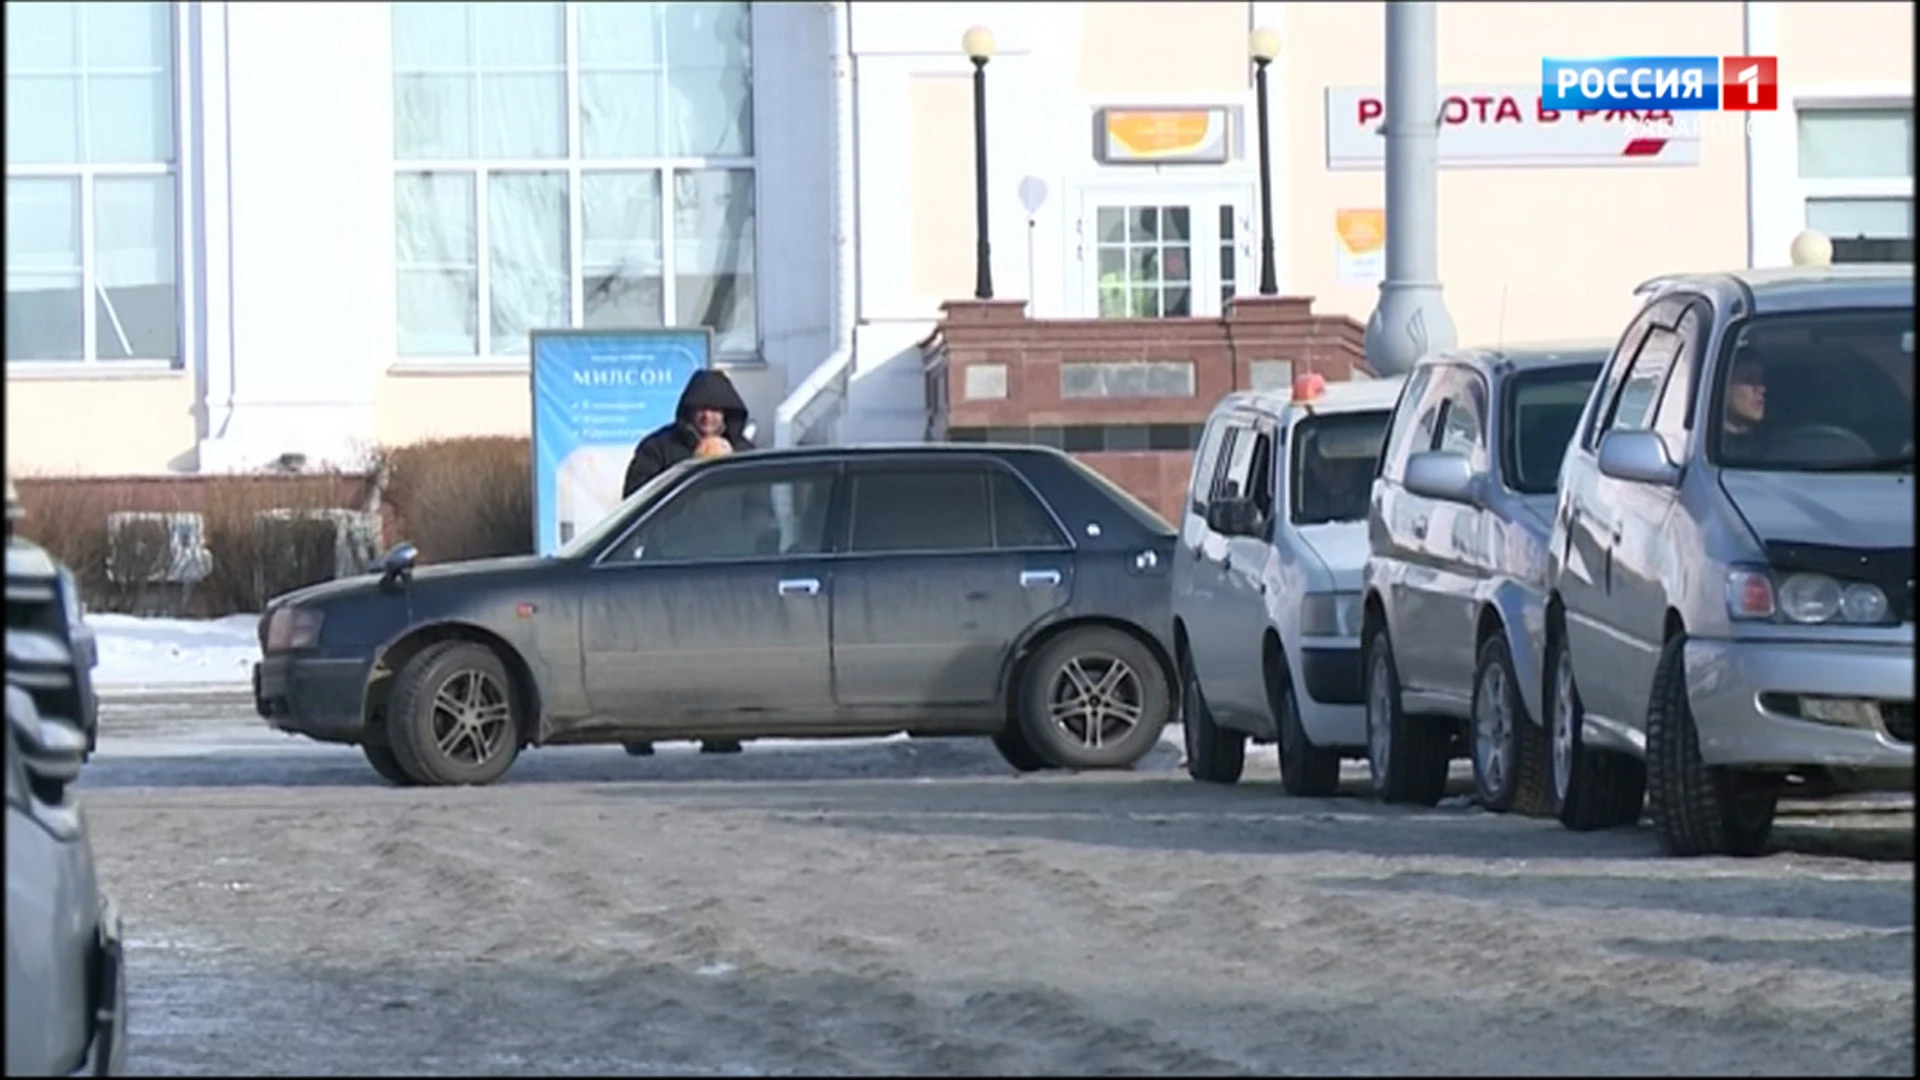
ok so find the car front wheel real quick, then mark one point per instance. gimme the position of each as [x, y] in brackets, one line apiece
[1697, 809]
[381, 757]
[452, 719]
[1094, 698]
[1215, 755]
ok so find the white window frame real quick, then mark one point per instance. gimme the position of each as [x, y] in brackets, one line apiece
[90, 362]
[574, 167]
[1202, 201]
[1778, 194]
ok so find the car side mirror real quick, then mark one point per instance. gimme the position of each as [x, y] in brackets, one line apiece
[396, 566]
[1443, 475]
[1639, 457]
[1233, 517]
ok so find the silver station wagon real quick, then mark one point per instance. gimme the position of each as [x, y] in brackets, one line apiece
[1731, 569]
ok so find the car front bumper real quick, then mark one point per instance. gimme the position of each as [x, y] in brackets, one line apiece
[107, 1049]
[1731, 684]
[317, 696]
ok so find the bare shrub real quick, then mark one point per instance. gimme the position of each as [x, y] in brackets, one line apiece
[464, 498]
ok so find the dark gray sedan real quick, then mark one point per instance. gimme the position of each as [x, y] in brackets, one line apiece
[812, 593]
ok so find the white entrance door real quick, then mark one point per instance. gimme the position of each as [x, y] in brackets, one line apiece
[1163, 252]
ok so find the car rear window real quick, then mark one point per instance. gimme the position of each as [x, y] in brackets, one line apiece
[1142, 514]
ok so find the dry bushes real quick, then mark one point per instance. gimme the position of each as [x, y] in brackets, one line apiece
[465, 498]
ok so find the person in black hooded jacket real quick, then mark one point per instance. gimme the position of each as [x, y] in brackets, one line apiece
[709, 407]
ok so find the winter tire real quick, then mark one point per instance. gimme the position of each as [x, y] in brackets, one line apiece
[1306, 771]
[1591, 789]
[452, 718]
[1697, 809]
[1509, 750]
[1094, 698]
[381, 757]
[1018, 752]
[1215, 755]
[1407, 756]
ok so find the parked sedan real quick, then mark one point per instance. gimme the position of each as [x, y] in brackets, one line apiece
[1456, 579]
[823, 592]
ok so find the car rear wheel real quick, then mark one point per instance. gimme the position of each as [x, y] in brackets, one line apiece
[452, 719]
[1509, 749]
[1018, 752]
[1592, 789]
[1094, 698]
[1215, 755]
[1407, 756]
[382, 758]
[1697, 809]
[1306, 770]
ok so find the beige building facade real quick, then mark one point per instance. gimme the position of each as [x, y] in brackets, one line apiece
[284, 271]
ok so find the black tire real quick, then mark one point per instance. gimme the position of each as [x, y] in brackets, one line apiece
[1215, 755]
[1096, 737]
[1407, 756]
[422, 725]
[1510, 761]
[1590, 789]
[382, 758]
[1306, 771]
[1018, 752]
[1697, 809]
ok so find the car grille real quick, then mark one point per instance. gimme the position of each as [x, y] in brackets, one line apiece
[1898, 717]
[39, 657]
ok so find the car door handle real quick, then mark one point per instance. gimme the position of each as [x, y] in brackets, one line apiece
[1420, 528]
[1039, 579]
[800, 587]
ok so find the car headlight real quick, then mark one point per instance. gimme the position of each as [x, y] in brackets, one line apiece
[1755, 595]
[291, 628]
[1330, 614]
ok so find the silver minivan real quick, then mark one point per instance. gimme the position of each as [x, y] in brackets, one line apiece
[1266, 580]
[1730, 614]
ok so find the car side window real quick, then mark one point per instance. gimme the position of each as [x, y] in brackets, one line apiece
[1633, 409]
[1463, 430]
[1019, 521]
[1262, 479]
[738, 514]
[906, 510]
[1206, 464]
[1406, 412]
[1607, 389]
[1673, 418]
[1236, 478]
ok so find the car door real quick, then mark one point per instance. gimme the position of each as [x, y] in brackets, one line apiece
[1210, 635]
[1241, 687]
[717, 604]
[1388, 536]
[1607, 662]
[1193, 583]
[947, 564]
[1454, 546]
[1423, 522]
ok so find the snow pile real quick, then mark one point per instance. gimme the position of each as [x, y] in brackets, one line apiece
[175, 652]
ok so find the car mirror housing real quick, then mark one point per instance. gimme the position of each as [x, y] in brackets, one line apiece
[1443, 475]
[1233, 517]
[1638, 457]
[396, 566]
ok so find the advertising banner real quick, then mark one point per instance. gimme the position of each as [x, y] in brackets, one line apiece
[595, 393]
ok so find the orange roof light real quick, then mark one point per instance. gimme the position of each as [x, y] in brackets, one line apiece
[1309, 386]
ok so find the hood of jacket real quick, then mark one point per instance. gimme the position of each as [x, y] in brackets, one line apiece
[713, 390]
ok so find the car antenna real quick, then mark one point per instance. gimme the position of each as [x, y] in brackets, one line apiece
[1500, 329]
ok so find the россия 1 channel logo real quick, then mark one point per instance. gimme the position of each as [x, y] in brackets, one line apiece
[1651, 83]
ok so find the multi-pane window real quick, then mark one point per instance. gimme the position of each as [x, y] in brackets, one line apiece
[1144, 262]
[1229, 271]
[92, 205]
[1856, 170]
[572, 164]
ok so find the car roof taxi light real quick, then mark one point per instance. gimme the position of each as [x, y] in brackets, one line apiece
[1309, 386]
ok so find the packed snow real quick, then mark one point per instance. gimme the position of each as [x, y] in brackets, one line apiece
[139, 652]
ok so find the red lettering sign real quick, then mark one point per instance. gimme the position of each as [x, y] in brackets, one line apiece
[1458, 111]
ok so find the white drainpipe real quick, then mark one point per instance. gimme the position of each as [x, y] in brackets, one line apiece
[842, 220]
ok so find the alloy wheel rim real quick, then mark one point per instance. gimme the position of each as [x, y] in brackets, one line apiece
[1379, 728]
[1492, 727]
[471, 717]
[1095, 699]
[1563, 721]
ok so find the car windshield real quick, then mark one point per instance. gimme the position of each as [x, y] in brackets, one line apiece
[1540, 413]
[590, 539]
[1333, 460]
[1826, 391]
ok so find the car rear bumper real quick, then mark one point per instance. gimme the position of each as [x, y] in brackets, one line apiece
[107, 1049]
[1747, 696]
[317, 696]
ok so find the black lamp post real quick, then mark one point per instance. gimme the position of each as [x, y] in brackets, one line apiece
[1264, 45]
[978, 45]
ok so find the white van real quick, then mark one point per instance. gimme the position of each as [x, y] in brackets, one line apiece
[1266, 579]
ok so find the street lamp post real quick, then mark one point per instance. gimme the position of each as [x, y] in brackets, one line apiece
[978, 45]
[1264, 45]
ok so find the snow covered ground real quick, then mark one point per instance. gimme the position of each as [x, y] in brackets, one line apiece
[153, 652]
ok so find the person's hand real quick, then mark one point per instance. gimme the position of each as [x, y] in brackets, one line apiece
[713, 446]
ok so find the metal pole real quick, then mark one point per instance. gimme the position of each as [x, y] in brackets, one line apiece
[1268, 285]
[1411, 319]
[983, 268]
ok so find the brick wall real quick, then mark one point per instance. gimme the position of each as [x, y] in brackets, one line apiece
[1014, 366]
